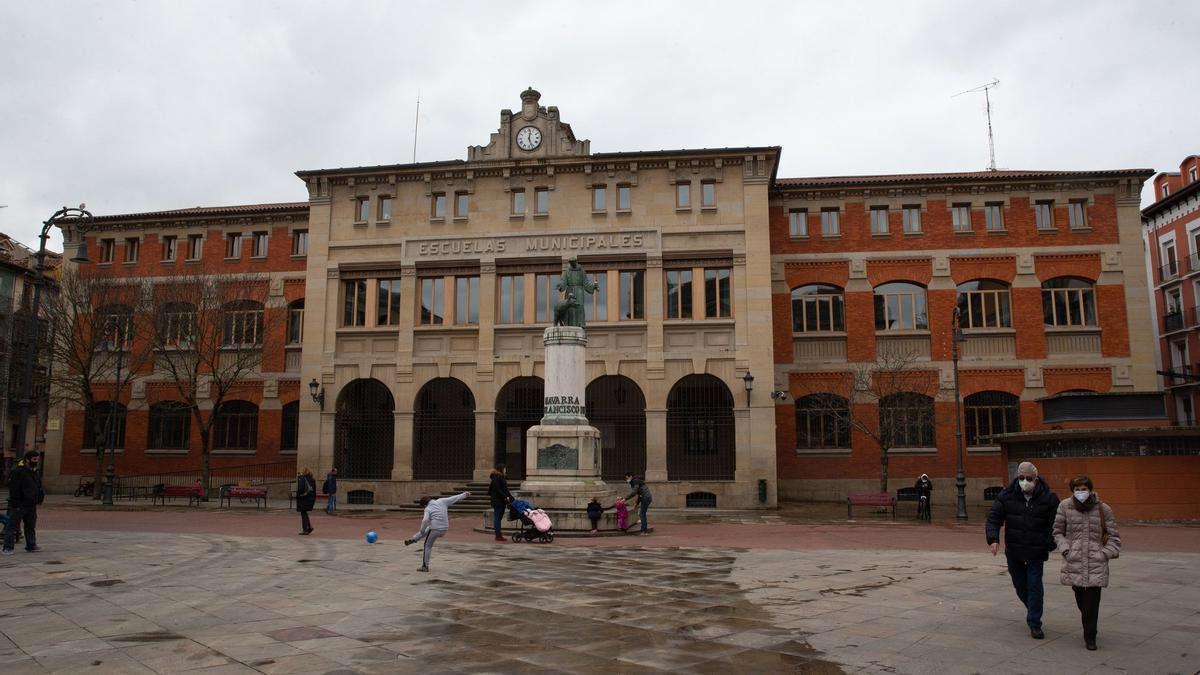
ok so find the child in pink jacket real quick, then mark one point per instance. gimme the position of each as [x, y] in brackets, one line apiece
[622, 514]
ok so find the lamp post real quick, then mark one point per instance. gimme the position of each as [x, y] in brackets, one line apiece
[317, 393]
[112, 329]
[80, 218]
[960, 481]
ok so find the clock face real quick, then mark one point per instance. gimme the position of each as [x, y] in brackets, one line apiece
[529, 138]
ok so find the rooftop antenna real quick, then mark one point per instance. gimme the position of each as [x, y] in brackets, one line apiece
[988, 101]
[416, 124]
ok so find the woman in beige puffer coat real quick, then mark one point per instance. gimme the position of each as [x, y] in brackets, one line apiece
[1086, 533]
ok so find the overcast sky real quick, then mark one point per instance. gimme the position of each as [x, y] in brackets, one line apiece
[139, 106]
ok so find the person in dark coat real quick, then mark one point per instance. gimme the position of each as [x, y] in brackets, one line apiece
[306, 498]
[639, 489]
[330, 489]
[24, 494]
[924, 488]
[595, 511]
[1026, 510]
[500, 497]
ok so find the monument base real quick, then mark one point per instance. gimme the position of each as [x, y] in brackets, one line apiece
[562, 469]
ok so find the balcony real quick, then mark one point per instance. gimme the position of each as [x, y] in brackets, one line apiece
[1173, 269]
[1179, 320]
[1181, 375]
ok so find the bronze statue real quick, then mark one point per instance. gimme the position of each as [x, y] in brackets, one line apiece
[574, 284]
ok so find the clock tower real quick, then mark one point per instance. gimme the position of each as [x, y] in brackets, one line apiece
[534, 133]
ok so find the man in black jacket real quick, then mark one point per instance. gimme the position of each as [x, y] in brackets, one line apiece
[639, 489]
[499, 496]
[1026, 510]
[24, 495]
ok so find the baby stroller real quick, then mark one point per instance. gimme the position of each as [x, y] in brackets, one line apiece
[536, 523]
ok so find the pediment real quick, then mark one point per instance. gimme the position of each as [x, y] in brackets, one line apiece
[533, 132]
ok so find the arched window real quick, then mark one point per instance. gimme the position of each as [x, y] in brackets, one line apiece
[242, 324]
[906, 420]
[984, 303]
[236, 426]
[1068, 301]
[176, 324]
[444, 431]
[818, 307]
[822, 421]
[115, 323]
[289, 427]
[900, 305]
[170, 424]
[295, 327]
[104, 426]
[700, 430]
[990, 412]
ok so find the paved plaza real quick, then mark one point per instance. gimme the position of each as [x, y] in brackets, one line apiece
[176, 590]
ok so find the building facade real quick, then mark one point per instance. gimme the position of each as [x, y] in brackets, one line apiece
[732, 311]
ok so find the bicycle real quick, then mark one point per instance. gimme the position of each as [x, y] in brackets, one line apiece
[923, 512]
[85, 488]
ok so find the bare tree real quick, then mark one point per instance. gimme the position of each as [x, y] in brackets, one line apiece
[899, 388]
[209, 332]
[97, 336]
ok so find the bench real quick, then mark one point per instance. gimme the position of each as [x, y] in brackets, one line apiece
[193, 493]
[258, 493]
[869, 499]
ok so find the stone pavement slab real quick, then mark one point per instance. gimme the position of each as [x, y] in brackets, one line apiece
[196, 602]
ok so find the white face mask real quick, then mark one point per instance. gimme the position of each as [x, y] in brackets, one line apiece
[1081, 496]
[1027, 484]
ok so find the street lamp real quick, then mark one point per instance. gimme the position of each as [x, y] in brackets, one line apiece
[116, 338]
[960, 481]
[748, 379]
[317, 393]
[79, 219]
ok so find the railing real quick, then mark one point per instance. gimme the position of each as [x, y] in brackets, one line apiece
[1180, 319]
[141, 485]
[1180, 375]
[1172, 269]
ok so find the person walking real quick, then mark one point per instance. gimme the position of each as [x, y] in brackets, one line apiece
[1026, 510]
[1086, 533]
[924, 488]
[24, 494]
[434, 524]
[306, 498]
[329, 487]
[639, 489]
[500, 497]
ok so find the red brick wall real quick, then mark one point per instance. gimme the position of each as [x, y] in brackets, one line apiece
[1151, 488]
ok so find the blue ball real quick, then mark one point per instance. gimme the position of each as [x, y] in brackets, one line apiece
[372, 537]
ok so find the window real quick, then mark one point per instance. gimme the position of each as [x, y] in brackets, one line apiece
[169, 248]
[258, 245]
[170, 424]
[900, 305]
[195, 246]
[818, 308]
[462, 204]
[879, 220]
[1043, 215]
[912, 220]
[107, 247]
[176, 324]
[354, 302]
[993, 216]
[385, 209]
[295, 327]
[362, 209]
[433, 301]
[717, 293]
[679, 294]
[830, 225]
[632, 288]
[960, 215]
[798, 223]
[104, 422]
[906, 420]
[546, 293]
[984, 304]
[116, 322]
[596, 307]
[623, 198]
[1170, 266]
[243, 324]
[1166, 190]
[1077, 214]
[541, 201]
[387, 303]
[289, 428]
[988, 413]
[1067, 301]
[233, 245]
[132, 248]
[437, 205]
[466, 301]
[1192, 175]
[708, 195]
[822, 421]
[512, 298]
[235, 426]
[299, 242]
[598, 195]
[683, 195]
[518, 202]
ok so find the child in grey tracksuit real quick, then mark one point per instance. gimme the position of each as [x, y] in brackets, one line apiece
[434, 524]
